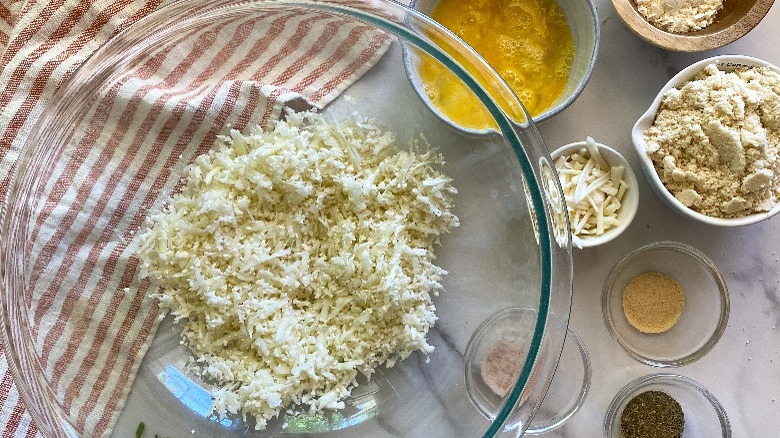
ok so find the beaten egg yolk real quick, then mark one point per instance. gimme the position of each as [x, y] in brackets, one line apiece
[528, 42]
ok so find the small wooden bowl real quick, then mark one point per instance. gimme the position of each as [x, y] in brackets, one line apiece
[736, 19]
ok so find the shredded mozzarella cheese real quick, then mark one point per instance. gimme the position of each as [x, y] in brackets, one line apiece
[297, 258]
[593, 191]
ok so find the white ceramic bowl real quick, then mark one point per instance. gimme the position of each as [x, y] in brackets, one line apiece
[725, 62]
[630, 201]
[584, 25]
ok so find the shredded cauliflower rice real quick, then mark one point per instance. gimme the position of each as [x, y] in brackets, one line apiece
[295, 259]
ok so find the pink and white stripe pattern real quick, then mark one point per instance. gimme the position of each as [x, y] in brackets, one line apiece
[91, 315]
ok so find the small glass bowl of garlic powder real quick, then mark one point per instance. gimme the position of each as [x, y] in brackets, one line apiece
[600, 190]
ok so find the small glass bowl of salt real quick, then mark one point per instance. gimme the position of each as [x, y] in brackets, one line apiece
[600, 190]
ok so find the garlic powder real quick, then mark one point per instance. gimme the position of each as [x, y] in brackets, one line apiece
[297, 258]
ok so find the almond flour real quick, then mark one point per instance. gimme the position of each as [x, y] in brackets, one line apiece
[715, 141]
[679, 16]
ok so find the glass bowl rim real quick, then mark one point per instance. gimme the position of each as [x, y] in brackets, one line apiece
[581, 396]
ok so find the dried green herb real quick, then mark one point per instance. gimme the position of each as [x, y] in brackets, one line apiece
[140, 431]
[652, 414]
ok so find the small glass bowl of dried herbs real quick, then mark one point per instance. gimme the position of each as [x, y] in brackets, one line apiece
[665, 406]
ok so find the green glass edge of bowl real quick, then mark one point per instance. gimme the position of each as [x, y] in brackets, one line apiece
[17, 362]
[583, 393]
[538, 203]
[507, 128]
[722, 289]
[640, 382]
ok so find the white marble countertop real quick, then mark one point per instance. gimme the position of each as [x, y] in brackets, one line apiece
[743, 370]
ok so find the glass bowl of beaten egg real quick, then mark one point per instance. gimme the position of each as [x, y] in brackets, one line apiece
[221, 94]
[545, 50]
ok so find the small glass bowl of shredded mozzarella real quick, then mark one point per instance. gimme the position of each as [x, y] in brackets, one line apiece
[600, 190]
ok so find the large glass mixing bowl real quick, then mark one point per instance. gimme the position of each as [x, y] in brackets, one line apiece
[511, 249]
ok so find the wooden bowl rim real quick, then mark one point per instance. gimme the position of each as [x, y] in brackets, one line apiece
[693, 42]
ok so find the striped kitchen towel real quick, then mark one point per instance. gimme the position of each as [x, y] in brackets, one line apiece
[92, 319]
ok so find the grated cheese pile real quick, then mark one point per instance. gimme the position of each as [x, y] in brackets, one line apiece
[593, 191]
[297, 258]
[679, 16]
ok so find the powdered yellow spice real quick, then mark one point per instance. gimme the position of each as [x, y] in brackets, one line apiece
[653, 302]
